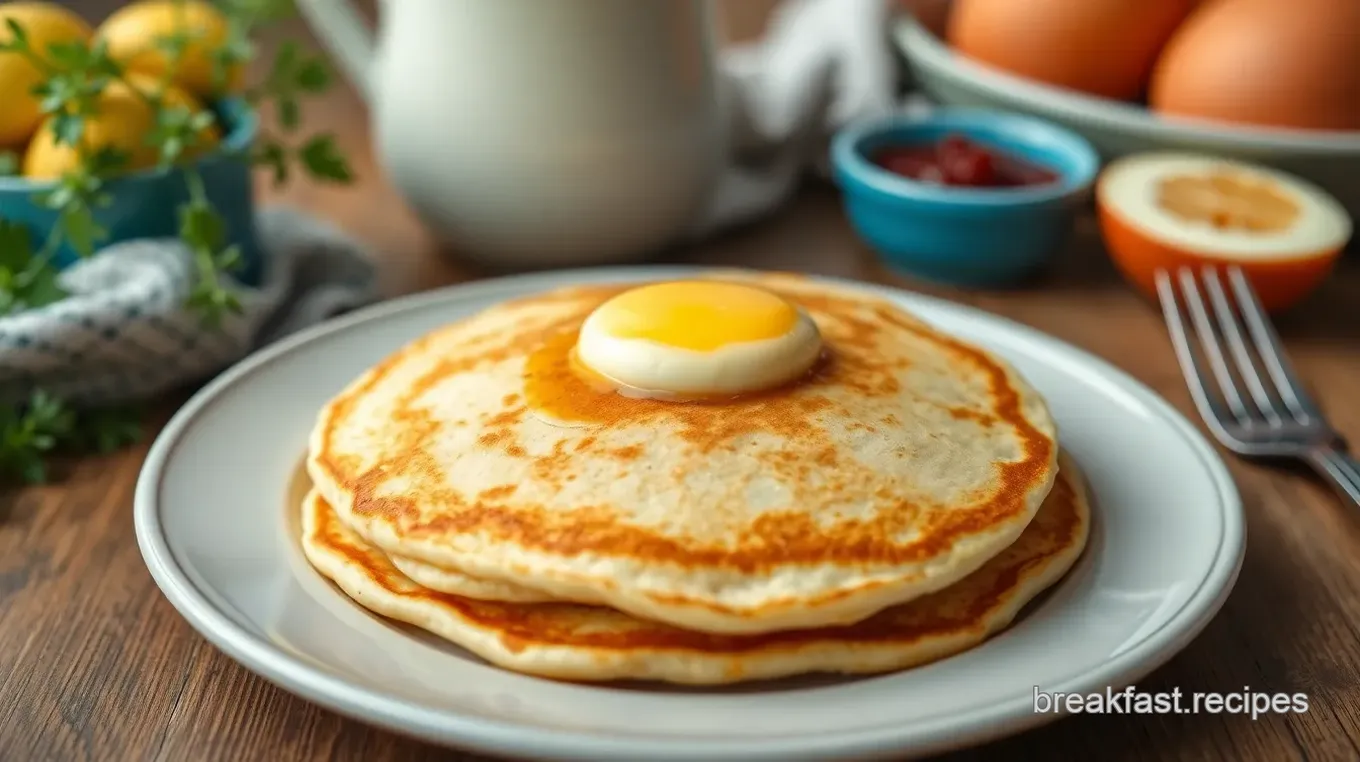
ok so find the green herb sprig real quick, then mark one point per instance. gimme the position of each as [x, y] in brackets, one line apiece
[75, 76]
[44, 426]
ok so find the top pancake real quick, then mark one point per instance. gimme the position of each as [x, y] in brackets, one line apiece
[906, 461]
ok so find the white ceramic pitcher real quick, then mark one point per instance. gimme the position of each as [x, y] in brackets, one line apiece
[540, 132]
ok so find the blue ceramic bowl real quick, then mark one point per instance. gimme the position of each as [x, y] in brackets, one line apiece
[977, 237]
[146, 203]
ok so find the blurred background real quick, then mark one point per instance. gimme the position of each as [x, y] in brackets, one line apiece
[607, 143]
[1037, 63]
[491, 137]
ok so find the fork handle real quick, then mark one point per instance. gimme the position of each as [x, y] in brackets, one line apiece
[1340, 469]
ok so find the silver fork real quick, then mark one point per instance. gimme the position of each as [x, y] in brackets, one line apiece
[1280, 421]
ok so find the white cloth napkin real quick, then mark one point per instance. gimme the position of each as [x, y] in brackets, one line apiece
[821, 65]
[123, 335]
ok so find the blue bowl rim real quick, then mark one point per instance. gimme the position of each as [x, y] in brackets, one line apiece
[851, 163]
[245, 127]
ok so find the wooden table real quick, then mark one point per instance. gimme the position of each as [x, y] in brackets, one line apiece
[96, 665]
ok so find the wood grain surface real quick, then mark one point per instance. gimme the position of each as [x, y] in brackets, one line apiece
[96, 665]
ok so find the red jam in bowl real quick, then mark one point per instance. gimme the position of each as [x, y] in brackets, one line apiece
[958, 161]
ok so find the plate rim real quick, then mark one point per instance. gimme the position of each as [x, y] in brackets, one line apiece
[337, 694]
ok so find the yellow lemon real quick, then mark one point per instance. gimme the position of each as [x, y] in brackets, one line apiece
[124, 120]
[133, 33]
[44, 24]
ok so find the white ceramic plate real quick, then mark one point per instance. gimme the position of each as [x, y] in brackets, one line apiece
[213, 525]
[1331, 159]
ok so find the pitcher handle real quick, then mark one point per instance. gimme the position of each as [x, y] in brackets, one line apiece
[346, 35]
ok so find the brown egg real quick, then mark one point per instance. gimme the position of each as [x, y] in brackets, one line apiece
[1277, 63]
[1102, 47]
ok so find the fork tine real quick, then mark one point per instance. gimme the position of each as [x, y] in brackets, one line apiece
[1246, 366]
[1210, 408]
[1268, 347]
[1213, 349]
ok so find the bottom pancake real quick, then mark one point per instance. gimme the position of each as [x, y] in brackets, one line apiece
[587, 643]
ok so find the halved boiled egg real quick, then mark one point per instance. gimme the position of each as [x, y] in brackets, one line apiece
[1168, 210]
[698, 338]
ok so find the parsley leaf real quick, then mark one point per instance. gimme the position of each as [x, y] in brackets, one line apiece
[212, 303]
[41, 287]
[272, 154]
[104, 430]
[81, 228]
[80, 72]
[29, 433]
[312, 76]
[200, 225]
[323, 160]
[178, 131]
[18, 34]
[42, 426]
[15, 247]
[26, 281]
[259, 11]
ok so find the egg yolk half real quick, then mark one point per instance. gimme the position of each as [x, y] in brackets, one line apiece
[698, 337]
[696, 315]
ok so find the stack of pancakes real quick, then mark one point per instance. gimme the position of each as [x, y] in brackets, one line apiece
[899, 505]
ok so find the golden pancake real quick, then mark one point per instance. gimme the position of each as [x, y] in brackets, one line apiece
[464, 585]
[902, 463]
[573, 642]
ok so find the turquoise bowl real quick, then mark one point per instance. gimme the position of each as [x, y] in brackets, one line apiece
[971, 237]
[146, 203]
